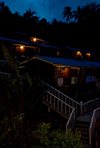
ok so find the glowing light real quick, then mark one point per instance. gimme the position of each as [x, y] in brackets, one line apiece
[88, 54]
[22, 48]
[34, 39]
[79, 53]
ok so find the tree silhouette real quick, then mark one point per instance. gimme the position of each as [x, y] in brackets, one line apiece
[1, 6]
[28, 14]
[5, 17]
[67, 13]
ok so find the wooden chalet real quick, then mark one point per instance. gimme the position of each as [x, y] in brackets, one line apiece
[64, 69]
[61, 66]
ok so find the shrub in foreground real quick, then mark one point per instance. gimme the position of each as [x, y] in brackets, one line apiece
[15, 133]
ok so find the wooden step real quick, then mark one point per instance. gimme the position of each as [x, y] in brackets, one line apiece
[85, 138]
[81, 125]
[85, 145]
[84, 133]
[81, 129]
[82, 122]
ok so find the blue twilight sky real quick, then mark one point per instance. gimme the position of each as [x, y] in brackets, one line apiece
[48, 9]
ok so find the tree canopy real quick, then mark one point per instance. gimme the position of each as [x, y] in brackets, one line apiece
[80, 30]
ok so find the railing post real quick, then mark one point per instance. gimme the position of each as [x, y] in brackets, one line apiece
[47, 97]
[65, 106]
[54, 101]
[50, 99]
[58, 104]
[65, 109]
[69, 101]
[76, 108]
[69, 111]
[73, 104]
[58, 95]
[62, 97]
[81, 107]
[74, 114]
[61, 107]
[48, 109]
[66, 127]
[90, 136]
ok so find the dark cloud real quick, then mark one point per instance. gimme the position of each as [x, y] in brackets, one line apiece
[48, 9]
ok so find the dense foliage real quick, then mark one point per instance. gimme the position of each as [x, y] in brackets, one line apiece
[26, 90]
[14, 132]
[81, 29]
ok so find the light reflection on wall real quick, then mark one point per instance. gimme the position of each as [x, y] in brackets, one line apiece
[22, 48]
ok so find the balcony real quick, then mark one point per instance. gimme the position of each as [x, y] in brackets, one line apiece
[75, 81]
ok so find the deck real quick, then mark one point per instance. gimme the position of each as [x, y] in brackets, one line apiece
[85, 117]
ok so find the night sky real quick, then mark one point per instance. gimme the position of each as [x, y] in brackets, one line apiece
[48, 9]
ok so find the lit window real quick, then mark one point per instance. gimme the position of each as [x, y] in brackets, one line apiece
[58, 53]
[79, 53]
[88, 54]
[34, 39]
[22, 48]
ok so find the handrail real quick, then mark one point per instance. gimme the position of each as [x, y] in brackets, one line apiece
[91, 101]
[88, 102]
[63, 94]
[8, 74]
[59, 99]
[90, 105]
[69, 120]
[95, 116]
[5, 73]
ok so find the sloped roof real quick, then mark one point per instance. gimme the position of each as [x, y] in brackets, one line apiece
[44, 45]
[65, 62]
[13, 40]
[76, 49]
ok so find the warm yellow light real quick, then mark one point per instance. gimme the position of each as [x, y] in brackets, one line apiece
[21, 47]
[34, 39]
[79, 53]
[88, 54]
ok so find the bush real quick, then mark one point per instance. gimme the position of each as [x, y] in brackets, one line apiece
[15, 133]
[56, 139]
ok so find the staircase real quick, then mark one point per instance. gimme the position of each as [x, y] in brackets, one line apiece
[79, 115]
[83, 127]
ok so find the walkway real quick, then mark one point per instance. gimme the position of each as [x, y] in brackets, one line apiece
[85, 117]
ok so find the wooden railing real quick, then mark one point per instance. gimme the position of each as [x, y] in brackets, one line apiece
[90, 105]
[67, 105]
[63, 107]
[58, 103]
[64, 98]
[71, 120]
[4, 75]
[95, 117]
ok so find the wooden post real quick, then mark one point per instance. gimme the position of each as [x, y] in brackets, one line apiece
[61, 107]
[66, 127]
[76, 100]
[96, 139]
[48, 109]
[81, 108]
